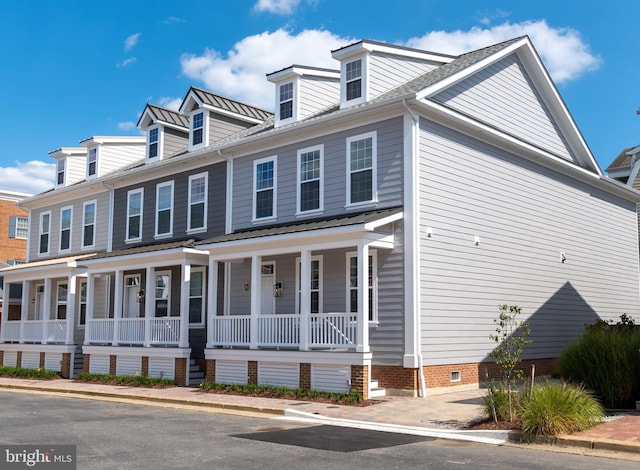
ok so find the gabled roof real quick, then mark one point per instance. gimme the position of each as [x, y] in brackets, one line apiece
[623, 160]
[217, 103]
[153, 114]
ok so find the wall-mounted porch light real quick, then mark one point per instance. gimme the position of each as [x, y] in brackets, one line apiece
[277, 289]
[140, 296]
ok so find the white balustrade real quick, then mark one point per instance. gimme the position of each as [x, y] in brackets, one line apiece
[56, 331]
[279, 330]
[165, 330]
[332, 330]
[100, 330]
[11, 331]
[130, 330]
[32, 331]
[231, 330]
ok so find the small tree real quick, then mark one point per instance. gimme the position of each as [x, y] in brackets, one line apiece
[511, 336]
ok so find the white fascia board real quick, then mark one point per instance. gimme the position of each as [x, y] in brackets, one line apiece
[383, 221]
[68, 152]
[301, 71]
[187, 101]
[176, 256]
[136, 351]
[492, 136]
[367, 46]
[110, 139]
[61, 195]
[62, 269]
[296, 356]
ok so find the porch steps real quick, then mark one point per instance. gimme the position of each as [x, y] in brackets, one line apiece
[195, 374]
[78, 361]
[375, 391]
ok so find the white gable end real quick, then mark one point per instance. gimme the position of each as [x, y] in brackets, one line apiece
[503, 95]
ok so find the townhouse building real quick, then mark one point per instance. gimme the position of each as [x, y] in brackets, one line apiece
[359, 238]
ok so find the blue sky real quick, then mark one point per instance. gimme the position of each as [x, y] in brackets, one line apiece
[74, 69]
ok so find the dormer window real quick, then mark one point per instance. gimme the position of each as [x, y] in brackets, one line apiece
[197, 129]
[154, 138]
[92, 162]
[286, 101]
[353, 80]
[60, 171]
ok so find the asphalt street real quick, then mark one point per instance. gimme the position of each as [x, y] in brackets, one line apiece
[112, 435]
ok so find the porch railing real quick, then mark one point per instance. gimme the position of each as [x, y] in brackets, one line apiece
[11, 331]
[100, 330]
[130, 330]
[165, 330]
[325, 330]
[55, 331]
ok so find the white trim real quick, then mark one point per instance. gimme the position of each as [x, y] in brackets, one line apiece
[160, 186]
[364, 81]
[203, 270]
[84, 223]
[84, 281]
[125, 294]
[159, 144]
[320, 208]
[95, 172]
[63, 209]
[155, 293]
[368, 46]
[205, 128]
[275, 277]
[374, 262]
[204, 175]
[58, 302]
[130, 193]
[136, 351]
[274, 188]
[295, 102]
[373, 135]
[296, 356]
[64, 172]
[320, 289]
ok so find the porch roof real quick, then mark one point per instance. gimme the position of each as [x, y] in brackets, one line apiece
[66, 262]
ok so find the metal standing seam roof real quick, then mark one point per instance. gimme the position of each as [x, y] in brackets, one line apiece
[306, 226]
[169, 116]
[189, 243]
[233, 106]
[47, 262]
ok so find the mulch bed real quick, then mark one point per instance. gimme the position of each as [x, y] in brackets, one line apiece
[491, 425]
[292, 396]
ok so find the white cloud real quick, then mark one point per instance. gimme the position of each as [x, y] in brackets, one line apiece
[562, 50]
[241, 74]
[174, 20]
[131, 41]
[170, 102]
[28, 177]
[127, 126]
[126, 62]
[279, 7]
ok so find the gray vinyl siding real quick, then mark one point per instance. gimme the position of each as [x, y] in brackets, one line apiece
[174, 141]
[386, 72]
[112, 157]
[525, 216]
[221, 126]
[316, 94]
[216, 208]
[100, 231]
[503, 95]
[389, 174]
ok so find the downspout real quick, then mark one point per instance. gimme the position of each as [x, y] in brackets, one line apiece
[415, 218]
[110, 228]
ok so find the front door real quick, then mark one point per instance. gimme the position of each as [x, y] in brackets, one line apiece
[39, 302]
[132, 296]
[267, 301]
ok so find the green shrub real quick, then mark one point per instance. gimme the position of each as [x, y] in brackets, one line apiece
[606, 359]
[562, 408]
[129, 380]
[498, 398]
[7, 371]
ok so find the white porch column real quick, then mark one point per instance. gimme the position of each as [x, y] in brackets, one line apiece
[117, 304]
[305, 298]
[24, 310]
[91, 279]
[212, 299]
[256, 284]
[362, 334]
[149, 303]
[184, 305]
[47, 307]
[71, 307]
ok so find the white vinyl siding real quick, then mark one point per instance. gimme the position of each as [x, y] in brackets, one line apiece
[315, 94]
[231, 372]
[279, 374]
[128, 365]
[10, 359]
[162, 367]
[99, 364]
[113, 156]
[387, 71]
[53, 361]
[30, 360]
[329, 378]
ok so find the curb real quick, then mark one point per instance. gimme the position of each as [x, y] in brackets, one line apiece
[566, 440]
[167, 401]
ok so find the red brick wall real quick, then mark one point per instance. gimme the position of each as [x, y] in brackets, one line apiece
[252, 372]
[85, 363]
[180, 374]
[360, 380]
[396, 377]
[112, 365]
[65, 367]
[305, 376]
[145, 366]
[210, 374]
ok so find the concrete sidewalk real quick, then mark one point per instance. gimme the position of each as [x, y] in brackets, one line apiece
[442, 415]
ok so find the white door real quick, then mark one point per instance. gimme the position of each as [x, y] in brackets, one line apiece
[267, 301]
[39, 302]
[131, 297]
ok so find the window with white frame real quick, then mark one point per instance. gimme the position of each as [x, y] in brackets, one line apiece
[88, 224]
[60, 167]
[286, 101]
[82, 317]
[18, 227]
[162, 295]
[315, 292]
[310, 181]
[153, 144]
[164, 209]
[92, 162]
[352, 284]
[135, 198]
[361, 168]
[66, 214]
[197, 214]
[61, 301]
[45, 227]
[197, 129]
[264, 188]
[197, 287]
[353, 80]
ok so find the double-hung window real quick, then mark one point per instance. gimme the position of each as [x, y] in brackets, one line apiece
[164, 209]
[154, 142]
[82, 318]
[60, 167]
[310, 181]
[88, 224]
[353, 80]
[196, 296]
[361, 168]
[264, 188]
[66, 214]
[45, 227]
[197, 129]
[92, 162]
[134, 214]
[286, 101]
[352, 284]
[18, 227]
[163, 293]
[197, 214]
[61, 301]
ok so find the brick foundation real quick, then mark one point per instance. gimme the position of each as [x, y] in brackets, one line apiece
[396, 377]
[252, 372]
[210, 370]
[181, 372]
[112, 365]
[41, 360]
[66, 366]
[19, 359]
[360, 380]
[144, 365]
[85, 363]
[305, 376]
[1, 358]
